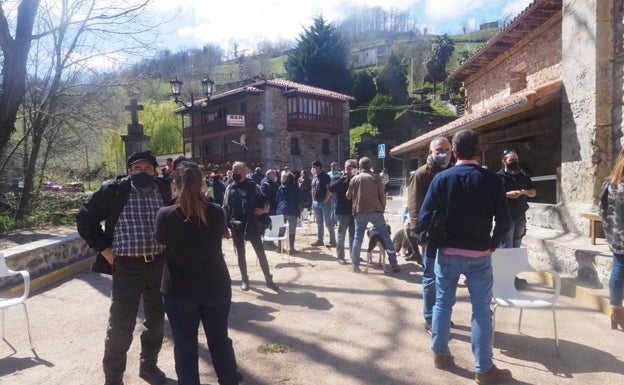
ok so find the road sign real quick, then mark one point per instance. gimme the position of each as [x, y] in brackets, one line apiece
[381, 151]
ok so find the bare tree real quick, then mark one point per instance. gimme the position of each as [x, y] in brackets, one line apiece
[73, 40]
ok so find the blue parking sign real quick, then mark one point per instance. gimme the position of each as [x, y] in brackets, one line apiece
[381, 151]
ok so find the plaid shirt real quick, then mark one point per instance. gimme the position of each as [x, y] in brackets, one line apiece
[134, 231]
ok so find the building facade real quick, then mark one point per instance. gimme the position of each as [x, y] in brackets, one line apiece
[269, 123]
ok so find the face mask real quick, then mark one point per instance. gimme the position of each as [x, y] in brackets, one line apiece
[441, 160]
[513, 167]
[312, 171]
[236, 177]
[334, 169]
[274, 180]
[142, 180]
[354, 171]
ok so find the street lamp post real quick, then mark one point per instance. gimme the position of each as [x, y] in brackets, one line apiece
[176, 88]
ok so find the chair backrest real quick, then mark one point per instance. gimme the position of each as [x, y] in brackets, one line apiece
[506, 265]
[277, 222]
[395, 207]
[4, 270]
[305, 215]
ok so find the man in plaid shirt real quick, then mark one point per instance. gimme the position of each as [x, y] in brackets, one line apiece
[127, 247]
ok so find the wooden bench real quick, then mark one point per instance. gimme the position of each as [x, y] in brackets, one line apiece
[593, 218]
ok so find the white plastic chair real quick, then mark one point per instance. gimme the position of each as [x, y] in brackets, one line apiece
[395, 208]
[12, 301]
[272, 234]
[303, 225]
[507, 264]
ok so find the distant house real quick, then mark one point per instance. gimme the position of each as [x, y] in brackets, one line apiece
[369, 56]
[550, 84]
[269, 123]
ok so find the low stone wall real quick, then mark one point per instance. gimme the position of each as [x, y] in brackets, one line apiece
[47, 255]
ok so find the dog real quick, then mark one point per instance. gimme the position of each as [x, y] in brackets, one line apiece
[374, 241]
[401, 241]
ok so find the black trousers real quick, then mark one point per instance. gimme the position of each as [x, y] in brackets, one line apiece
[238, 237]
[133, 279]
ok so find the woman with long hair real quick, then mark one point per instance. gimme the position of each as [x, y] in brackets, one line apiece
[289, 203]
[612, 212]
[196, 283]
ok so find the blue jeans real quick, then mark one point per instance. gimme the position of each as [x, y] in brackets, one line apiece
[428, 283]
[322, 214]
[478, 272]
[345, 222]
[184, 313]
[378, 221]
[514, 235]
[616, 280]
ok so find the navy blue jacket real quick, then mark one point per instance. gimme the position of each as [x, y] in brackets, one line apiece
[469, 196]
[289, 199]
[520, 181]
[339, 188]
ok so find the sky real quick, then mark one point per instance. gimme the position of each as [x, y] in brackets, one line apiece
[249, 22]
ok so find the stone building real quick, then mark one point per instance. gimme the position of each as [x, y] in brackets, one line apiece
[269, 123]
[550, 85]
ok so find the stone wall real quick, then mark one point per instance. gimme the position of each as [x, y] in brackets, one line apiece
[538, 56]
[47, 255]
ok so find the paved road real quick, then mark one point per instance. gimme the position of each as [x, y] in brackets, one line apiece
[338, 328]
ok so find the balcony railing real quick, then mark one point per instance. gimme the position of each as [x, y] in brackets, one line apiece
[314, 123]
[248, 157]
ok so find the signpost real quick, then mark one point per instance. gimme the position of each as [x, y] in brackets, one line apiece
[381, 154]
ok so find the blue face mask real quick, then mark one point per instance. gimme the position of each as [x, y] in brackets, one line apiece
[142, 180]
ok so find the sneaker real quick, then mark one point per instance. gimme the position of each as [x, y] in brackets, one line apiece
[293, 252]
[493, 376]
[342, 261]
[332, 244]
[443, 361]
[244, 286]
[356, 269]
[152, 375]
[395, 267]
[317, 243]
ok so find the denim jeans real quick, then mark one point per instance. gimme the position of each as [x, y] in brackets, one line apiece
[292, 223]
[616, 280]
[133, 279]
[184, 314]
[378, 221]
[428, 283]
[345, 222]
[514, 235]
[322, 214]
[478, 272]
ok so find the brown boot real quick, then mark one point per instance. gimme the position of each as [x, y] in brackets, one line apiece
[493, 376]
[442, 361]
[617, 317]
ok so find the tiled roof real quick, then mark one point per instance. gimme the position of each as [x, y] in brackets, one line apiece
[509, 106]
[303, 88]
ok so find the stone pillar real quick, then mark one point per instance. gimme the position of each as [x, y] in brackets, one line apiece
[587, 57]
[135, 141]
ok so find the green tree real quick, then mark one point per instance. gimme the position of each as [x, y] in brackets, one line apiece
[392, 80]
[378, 101]
[320, 58]
[364, 88]
[163, 127]
[441, 51]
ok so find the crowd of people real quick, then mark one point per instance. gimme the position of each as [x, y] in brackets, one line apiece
[162, 242]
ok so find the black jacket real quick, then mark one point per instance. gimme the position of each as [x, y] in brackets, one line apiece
[106, 205]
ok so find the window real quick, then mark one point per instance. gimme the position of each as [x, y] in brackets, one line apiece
[294, 146]
[326, 147]
[300, 107]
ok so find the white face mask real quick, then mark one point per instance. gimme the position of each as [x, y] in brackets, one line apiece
[312, 171]
[354, 171]
[442, 159]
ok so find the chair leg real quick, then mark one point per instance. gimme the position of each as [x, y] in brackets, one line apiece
[556, 336]
[32, 347]
[520, 320]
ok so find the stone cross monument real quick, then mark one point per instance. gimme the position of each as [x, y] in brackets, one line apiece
[135, 141]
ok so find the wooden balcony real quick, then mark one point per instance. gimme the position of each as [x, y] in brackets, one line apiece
[314, 123]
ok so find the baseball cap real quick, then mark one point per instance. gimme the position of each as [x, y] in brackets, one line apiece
[142, 156]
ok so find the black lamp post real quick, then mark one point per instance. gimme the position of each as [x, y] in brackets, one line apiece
[176, 88]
